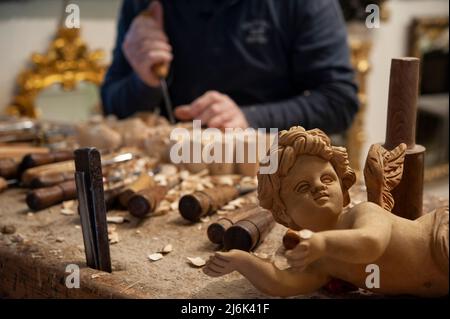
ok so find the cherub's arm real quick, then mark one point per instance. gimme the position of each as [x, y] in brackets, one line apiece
[366, 235]
[264, 275]
[367, 239]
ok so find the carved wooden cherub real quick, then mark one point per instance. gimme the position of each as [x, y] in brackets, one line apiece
[308, 193]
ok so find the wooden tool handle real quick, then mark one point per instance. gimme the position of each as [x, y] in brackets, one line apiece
[3, 184]
[52, 168]
[146, 201]
[20, 150]
[161, 70]
[51, 179]
[37, 159]
[45, 197]
[144, 181]
[199, 204]
[248, 233]
[9, 168]
[112, 197]
[402, 104]
[217, 229]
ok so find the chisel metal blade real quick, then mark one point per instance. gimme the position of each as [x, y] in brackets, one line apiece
[167, 102]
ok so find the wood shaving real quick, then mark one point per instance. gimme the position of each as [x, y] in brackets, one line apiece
[59, 239]
[67, 212]
[228, 207]
[115, 219]
[222, 212]
[205, 219]
[77, 226]
[166, 249]
[196, 261]
[113, 237]
[225, 180]
[208, 184]
[68, 204]
[174, 205]
[97, 275]
[155, 256]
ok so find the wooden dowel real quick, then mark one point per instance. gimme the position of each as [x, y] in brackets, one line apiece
[401, 128]
[402, 103]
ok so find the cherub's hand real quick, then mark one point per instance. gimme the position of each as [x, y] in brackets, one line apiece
[310, 249]
[224, 263]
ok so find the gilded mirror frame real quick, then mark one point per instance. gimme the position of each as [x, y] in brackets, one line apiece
[67, 62]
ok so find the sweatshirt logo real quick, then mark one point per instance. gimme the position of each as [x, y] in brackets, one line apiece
[255, 32]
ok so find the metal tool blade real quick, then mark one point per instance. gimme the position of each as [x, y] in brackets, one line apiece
[167, 101]
[118, 159]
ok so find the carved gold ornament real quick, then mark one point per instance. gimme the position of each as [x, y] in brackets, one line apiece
[67, 62]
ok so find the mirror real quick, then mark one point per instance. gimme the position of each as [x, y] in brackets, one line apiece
[429, 42]
[79, 104]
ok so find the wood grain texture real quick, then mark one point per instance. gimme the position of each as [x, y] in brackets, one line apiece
[402, 103]
[408, 195]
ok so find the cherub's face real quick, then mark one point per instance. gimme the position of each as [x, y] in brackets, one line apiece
[312, 194]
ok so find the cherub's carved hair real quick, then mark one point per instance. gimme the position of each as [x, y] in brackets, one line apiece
[297, 141]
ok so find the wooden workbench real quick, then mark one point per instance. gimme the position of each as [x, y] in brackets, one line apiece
[33, 260]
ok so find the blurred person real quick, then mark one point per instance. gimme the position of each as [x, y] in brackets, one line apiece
[235, 63]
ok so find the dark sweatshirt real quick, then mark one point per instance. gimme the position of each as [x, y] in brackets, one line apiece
[284, 62]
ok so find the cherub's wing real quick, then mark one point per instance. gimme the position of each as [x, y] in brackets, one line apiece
[383, 172]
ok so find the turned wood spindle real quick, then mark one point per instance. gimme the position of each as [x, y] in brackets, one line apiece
[401, 128]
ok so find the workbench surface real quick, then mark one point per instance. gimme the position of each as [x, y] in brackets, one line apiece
[33, 260]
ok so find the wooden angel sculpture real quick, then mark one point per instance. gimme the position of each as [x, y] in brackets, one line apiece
[308, 193]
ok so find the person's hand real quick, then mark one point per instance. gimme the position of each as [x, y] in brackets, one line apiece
[146, 44]
[310, 249]
[214, 110]
[224, 263]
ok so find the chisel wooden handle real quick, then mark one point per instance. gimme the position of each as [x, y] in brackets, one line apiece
[202, 203]
[217, 229]
[38, 159]
[3, 184]
[48, 196]
[51, 179]
[144, 181]
[161, 70]
[9, 168]
[145, 201]
[248, 233]
[47, 169]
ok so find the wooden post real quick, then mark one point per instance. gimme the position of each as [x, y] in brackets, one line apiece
[401, 128]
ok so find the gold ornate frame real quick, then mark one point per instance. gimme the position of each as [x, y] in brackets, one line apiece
[430, 28]
[67, 62]
[356, 137]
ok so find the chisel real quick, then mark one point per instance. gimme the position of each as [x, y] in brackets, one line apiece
[161, 70]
